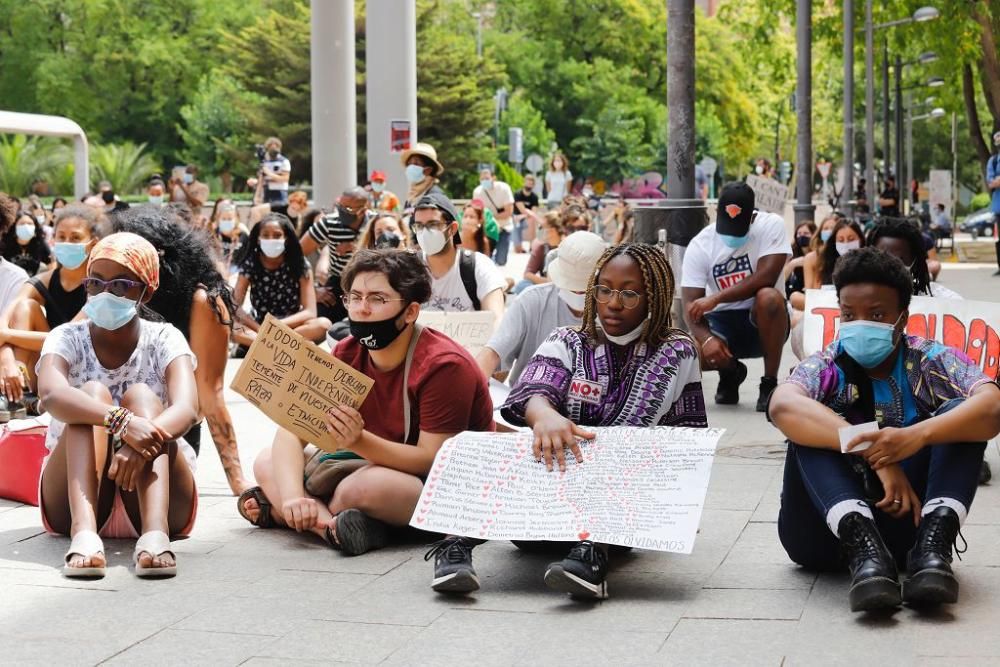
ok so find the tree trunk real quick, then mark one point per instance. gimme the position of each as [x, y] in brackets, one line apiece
[227, 181]
[990, 71]
[972, 114]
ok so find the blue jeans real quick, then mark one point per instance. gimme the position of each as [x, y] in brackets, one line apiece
[817, 479]
[502, 248]
[518, 233]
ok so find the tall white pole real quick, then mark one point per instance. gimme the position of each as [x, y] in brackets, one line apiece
[334, 121]
[390, 83]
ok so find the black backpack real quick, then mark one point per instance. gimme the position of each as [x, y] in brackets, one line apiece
[467, 271]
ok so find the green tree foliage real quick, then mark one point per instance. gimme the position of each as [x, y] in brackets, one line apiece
[26, 161]
[538, 137]
[126, 166]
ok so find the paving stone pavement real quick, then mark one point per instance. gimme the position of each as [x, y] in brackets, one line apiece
[254, 597]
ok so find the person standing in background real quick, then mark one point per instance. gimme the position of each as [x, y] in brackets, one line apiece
[499, 199]
[525, 203]
[993, 185]
[380, 199]
[275, 171]
[558, 180]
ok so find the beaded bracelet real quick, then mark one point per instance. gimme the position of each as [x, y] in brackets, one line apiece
[116, 421]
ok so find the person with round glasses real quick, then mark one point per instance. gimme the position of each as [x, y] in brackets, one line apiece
[626, 365]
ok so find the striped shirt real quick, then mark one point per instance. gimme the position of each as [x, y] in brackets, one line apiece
[329, 229]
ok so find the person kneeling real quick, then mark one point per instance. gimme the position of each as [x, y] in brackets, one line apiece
[904, 498]
[427, 389]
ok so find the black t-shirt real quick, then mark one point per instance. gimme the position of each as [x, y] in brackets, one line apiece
[530, 200]
[893, 194]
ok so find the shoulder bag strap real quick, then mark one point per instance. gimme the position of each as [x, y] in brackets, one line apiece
[417, 330]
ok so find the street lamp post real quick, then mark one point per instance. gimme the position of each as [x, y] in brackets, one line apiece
[922, 59]
[937, 112]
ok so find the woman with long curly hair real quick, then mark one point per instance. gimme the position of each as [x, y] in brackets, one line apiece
[194, 297]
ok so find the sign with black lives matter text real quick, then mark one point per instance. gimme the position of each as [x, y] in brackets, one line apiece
[295, 383]
[472, 330]
[638, 487]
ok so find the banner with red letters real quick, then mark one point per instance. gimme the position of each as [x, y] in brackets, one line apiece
[969, 326]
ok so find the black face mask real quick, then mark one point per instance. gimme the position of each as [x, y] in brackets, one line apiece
[387, 240]
[347, 216]
[377, 335]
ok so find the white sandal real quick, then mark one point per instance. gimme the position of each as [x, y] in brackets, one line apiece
[155, 543]
[86, 544]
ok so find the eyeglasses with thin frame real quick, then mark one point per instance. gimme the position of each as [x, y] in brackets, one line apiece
[628, 298]
[438, 225]
[118, 286]
[374, 301]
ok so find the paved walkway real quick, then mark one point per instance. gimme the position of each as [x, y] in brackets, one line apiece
[248, 596]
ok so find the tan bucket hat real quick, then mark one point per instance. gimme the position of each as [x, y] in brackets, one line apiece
[425, 150]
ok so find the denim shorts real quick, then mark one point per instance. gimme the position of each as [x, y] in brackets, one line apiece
[739, 331]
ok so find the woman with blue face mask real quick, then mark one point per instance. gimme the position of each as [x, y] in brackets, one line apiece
[44, 302]
[279, 280]
[895, 495]
[121, 391]
[230, 234]
[24, 244]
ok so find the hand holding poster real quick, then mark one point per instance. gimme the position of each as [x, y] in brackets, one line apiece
[969, 326]
[471, 330]
[769, 194]
[639, 487]
[295, 383]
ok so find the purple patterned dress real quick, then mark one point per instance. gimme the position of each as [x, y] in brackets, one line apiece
[592, 386]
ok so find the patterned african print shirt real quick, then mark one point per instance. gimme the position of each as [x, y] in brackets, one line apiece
[590, 385]
[926, 375]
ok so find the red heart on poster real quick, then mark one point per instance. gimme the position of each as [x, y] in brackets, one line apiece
[486, 487]
[482, 533]
[420, 519]
[513, 477]
[584, 535]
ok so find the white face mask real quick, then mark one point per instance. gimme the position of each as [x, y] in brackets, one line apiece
[758, 170]
[156, 200]
[624, 339]
[431, 241]
[40, 219]
[845, 247]
[226, 225]
[273, 248]
[575, 301]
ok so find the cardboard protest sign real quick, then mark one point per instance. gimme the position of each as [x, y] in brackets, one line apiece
[295, 383]
[471, 330]
[639, 487]
[969, 326]
[769, 195]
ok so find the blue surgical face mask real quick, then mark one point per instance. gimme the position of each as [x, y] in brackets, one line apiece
[825, 235]
[734, 242]
[156, 200]
[70, 255]
[26, 232]
[414, 173]
[378, 186]
[110, 312]
[273, 248]
[868, 343]
[227, 225]
[486, 183]
[188, 179]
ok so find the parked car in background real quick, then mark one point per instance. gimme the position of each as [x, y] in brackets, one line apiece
[979, 223]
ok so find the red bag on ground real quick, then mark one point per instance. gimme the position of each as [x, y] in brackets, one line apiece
[22, 450]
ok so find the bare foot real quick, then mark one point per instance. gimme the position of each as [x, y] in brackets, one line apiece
[148, 560]
[252, 509]
[95, 560]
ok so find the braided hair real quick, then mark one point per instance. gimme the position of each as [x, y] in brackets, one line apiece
[904, 230]
[658, 280]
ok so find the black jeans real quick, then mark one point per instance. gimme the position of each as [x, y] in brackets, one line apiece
[817, 479]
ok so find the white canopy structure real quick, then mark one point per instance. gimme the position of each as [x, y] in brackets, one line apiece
[54, 126]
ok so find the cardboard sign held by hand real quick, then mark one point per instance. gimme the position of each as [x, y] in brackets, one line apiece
[295, 383]
[471, 330]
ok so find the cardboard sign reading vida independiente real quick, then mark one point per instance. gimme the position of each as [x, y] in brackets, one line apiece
[295, 383]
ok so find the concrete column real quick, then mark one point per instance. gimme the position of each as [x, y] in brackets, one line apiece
[390, 83]
[332, 78]
[804, 209]
[848, 190]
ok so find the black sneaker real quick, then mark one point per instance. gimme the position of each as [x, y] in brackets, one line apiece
[32, 404]
[730, 380]
[453, 571]
[874, 580]
[985, 474]
[931, 579]
[767, 385]
[582, 573]
[11, 410]
[357, 533]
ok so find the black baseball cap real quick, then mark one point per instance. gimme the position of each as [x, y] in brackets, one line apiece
[736, 202]
[439, 201]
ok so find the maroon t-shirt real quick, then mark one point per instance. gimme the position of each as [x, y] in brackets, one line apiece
[448, 393]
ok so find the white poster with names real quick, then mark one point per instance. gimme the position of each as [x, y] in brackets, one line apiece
[637, 487]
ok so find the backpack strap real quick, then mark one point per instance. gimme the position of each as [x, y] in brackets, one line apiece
[407, 416]
[467, 270]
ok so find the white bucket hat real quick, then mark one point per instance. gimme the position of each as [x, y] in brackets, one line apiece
[575, 260]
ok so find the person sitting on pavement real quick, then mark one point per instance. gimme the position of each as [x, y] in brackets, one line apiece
[279, 281]
[24, 244]
[542, 309]
[121, 392]
[904, 498]
[231, 236]
[646, 372]
[380, 199]
[427, 389]
[795, 282]
[477, 228]
[552, 233]
[902, 239]
[733, 288]
[44, 302]
[846, 236]
[386, 230]
[462, 280]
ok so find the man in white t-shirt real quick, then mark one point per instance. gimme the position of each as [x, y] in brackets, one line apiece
[498, 198]
[276, 171]
[541, 309]
[463, 281]
[733, 287]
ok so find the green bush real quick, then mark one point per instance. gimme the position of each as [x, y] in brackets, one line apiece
[981, 200]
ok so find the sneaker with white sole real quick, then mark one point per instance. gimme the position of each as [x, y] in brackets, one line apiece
[453, 571]
[582, 573]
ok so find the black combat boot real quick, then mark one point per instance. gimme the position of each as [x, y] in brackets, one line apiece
[874, 581]
[931, 579]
